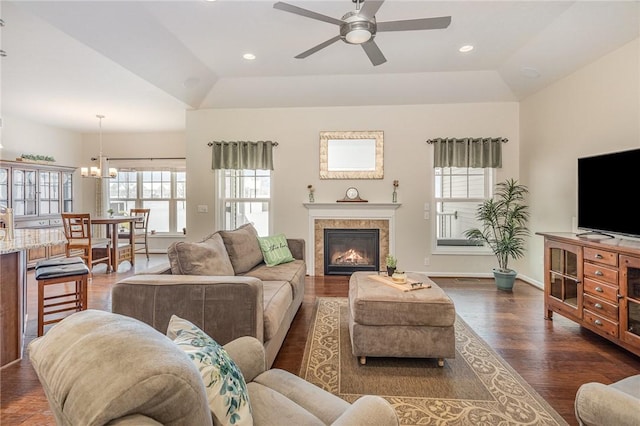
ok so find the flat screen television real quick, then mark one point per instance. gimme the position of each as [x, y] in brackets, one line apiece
[608, 185]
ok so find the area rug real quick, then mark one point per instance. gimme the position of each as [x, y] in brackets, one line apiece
[477, 387]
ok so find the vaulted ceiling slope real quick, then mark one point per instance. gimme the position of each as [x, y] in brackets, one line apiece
[143, 63]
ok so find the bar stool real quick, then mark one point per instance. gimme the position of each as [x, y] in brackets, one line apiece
[60, 271]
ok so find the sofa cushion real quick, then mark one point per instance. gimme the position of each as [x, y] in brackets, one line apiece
[275, 250]
[293, 272]
[226, 389]
[243, 248]
[208, 257]
[278, 297]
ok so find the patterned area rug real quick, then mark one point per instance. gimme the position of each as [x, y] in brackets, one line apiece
[476, 388]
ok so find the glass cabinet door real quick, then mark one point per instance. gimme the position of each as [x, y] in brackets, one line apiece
[49, 192]
[564, 276]
[563, 286]
[630, 305]
[4, 187]
[67, 192]
[24, 192]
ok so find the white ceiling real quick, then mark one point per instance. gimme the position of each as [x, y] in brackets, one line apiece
[143, 63]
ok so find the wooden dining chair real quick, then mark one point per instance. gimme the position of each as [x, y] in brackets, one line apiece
[140, 231]
[77, 230]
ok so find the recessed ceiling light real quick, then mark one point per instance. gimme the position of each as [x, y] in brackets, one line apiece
[249, 56]
[466, 48]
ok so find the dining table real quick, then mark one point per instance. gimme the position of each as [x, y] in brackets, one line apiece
[119, 252]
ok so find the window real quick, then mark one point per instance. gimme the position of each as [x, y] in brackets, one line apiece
[245, 197]
[162, 191]
[458, 191]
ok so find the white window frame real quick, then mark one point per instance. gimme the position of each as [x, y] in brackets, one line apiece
[173, 200]
[489, 179]
[223, 200]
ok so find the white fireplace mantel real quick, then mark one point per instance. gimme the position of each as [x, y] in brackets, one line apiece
[348, 210]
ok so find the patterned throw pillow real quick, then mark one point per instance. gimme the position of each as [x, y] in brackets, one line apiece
[226, 389]
[275, 250]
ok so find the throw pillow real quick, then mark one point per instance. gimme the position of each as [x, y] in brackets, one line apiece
[208, 257]
[275, 250]
[243, 248]
[226, 388]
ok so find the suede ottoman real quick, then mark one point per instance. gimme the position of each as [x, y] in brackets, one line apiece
[386, 322]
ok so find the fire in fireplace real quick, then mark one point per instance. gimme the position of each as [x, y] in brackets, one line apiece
[350, 250]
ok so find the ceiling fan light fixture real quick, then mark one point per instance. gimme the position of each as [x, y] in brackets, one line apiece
[357, 30]
[358, 36]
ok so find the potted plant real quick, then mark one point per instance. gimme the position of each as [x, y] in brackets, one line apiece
[504, 228]
[392, 263]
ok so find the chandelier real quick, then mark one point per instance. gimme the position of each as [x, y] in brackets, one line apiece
[102, 170]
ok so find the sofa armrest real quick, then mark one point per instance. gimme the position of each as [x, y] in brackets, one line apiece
[368, 410]
[248, 354]
[297, 247]
[224, 307]
[599, 404]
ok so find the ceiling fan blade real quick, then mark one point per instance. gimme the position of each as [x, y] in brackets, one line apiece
[370, 8]
[416, 24]
[318, 47]
[374, 53]
[307, 13]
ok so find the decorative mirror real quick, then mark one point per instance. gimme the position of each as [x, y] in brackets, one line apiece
[351, 155]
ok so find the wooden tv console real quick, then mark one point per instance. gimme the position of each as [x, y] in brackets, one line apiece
[594, 281]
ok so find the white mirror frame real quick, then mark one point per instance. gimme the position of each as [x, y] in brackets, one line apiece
[375, 135]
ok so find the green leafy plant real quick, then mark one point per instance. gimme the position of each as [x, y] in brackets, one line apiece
[504, 221]
[391, 261]
[34, 157]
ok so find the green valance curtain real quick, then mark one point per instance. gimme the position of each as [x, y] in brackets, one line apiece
[242, 155]
[467, 152]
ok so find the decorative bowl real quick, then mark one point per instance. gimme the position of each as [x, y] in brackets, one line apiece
[399, 277]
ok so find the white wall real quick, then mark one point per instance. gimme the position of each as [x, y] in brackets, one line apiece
[407, 158]
[20, 136]
[594, 110]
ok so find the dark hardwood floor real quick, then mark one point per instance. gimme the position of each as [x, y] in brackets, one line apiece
[554, 357]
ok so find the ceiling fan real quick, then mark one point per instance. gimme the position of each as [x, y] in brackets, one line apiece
[360, 27]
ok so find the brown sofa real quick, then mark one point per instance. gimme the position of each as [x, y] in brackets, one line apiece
[222, 285]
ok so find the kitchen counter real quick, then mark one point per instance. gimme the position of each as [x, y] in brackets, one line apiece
[26, 239]
[13, 287]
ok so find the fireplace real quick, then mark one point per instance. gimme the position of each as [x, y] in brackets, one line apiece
[350, 250]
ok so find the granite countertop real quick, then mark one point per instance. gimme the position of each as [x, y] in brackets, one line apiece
[32, 238]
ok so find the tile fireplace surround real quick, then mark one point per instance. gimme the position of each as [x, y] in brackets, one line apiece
[348, 216]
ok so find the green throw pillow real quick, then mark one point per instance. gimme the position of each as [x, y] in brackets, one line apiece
[226, 388]
[275, 250]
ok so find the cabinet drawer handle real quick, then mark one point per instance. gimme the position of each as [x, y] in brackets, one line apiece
[597, 322]
[599, 289]
[598, 256]
[598, 306]
[599, 273]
